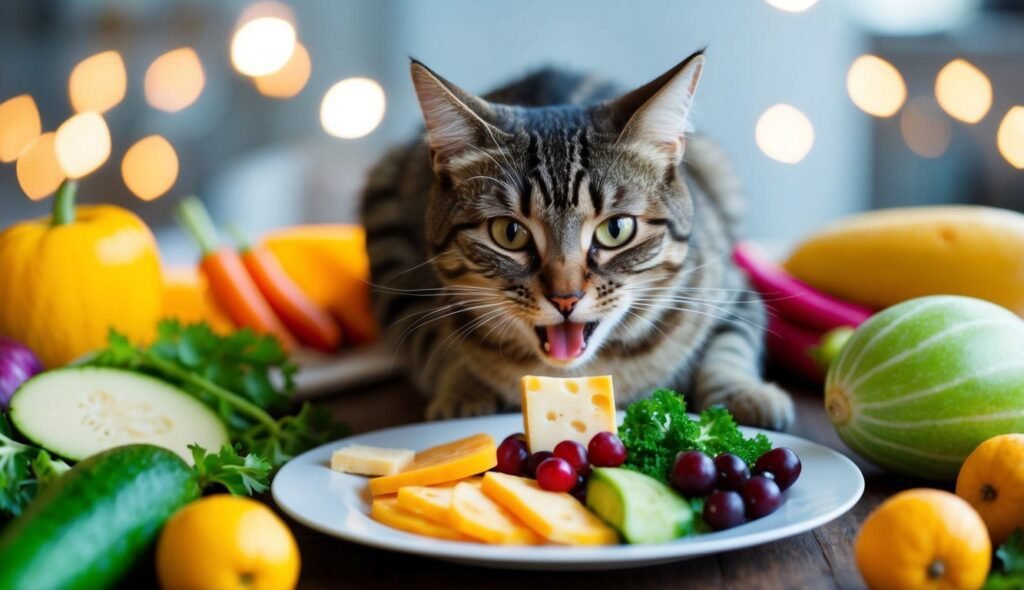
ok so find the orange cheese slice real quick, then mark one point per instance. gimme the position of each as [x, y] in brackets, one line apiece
[455, 460]
[387, 511]
[433, 502]
[474, 514]
[558, 517]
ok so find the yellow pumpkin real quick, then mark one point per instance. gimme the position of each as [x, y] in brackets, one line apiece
[923, 539]
[66, 279]
[187, 298]
[992, 480]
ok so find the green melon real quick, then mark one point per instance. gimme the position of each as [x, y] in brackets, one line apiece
[923, 383]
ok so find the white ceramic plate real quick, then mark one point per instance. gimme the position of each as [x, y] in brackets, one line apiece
[337, 504]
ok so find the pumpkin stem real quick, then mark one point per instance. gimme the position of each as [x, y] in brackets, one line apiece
[936, 570]
[64, 203]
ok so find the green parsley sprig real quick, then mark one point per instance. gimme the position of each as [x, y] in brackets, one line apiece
[1009, 575]
[24, 470]
[657, 428]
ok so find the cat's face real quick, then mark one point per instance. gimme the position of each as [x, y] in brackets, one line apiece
[550, 223]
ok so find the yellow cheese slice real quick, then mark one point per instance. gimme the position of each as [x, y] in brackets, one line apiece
[387, 511]
[556, 409]
[558, 517]
[474, 514]
[432, 502]
[365, 460]
[455, 460]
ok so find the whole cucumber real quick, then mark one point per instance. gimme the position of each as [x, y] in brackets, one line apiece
[87, 528]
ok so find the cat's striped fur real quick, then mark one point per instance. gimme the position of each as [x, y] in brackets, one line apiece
[557, 155]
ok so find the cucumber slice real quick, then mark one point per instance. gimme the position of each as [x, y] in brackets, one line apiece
[78, 412]
[85, 530]
[642, 508]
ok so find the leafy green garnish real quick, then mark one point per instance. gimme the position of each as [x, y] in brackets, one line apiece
[242, 476]
[657, 428]
[1010, 574]
[24, 470]
[235, 375]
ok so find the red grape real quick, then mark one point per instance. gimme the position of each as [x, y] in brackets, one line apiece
[783, 465]
[556, 475]
[535, 460]
[732, 471]
[606, 450]
[575, 454]
[516, 436]
[761, 496]
[723, 510]
[512, 456]
[694, 474]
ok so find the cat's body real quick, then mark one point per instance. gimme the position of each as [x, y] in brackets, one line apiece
[471, 304]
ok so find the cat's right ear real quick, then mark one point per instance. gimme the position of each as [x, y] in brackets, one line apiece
[456, 120]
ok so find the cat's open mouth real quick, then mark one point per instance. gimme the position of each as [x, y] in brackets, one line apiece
[565, 341]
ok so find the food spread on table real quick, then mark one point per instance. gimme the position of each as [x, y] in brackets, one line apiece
[576, 477]
[154, 385]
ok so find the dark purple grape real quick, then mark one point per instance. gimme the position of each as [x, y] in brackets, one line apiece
[732, 471]
[782, 464]
[579, 491]
[606, 450]
[575, 454]
[761, 496]
[534, 461]
[724, 509]
[516, 436]
[694, 474]
[512, 456]
[556, 475]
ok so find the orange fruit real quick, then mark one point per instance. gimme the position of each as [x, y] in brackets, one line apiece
[225, 542]
[992, 480]
[923, 539]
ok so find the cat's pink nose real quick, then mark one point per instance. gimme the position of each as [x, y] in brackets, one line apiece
[565, 303]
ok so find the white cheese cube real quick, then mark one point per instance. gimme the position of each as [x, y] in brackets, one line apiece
[364, 460]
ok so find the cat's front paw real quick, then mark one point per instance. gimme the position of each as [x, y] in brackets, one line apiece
[756, 403]
[444, 407]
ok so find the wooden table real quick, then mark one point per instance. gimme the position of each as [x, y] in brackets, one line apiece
[822, 558]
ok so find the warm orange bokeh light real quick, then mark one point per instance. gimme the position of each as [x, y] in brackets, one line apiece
[150, 167]
[925, 128]
[289, 80]
[262, 46]
[1010, 137]
[82, 144]
[963, 91]
[784, 134]
[876, 86]
[98, 83]
[174, 80]
[352, 108]
[39, 174]
[19, 125]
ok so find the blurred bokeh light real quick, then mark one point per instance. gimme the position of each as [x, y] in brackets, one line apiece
[1010, 137]
[39, 173]
[150, 167]
[352, 108]
[19, 125]
[792, 5]
[963, 91]
[925, 128]
[289, 80]
[262, 46]
[174, 80]
[98, 83]
[876, 86]
[784, 133]
[82, 144]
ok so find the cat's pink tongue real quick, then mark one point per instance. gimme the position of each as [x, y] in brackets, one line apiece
[565, 340]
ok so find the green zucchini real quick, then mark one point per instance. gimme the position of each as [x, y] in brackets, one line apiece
[88, 528]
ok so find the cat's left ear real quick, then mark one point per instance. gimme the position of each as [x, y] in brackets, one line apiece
[656, 114]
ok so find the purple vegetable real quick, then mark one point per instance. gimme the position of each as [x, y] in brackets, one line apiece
[17, 365]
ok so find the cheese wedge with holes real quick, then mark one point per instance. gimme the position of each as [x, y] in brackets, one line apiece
[364, 460]
[387, 511]
[451, 461]
[558, 517]
[433, 502]
[474, 514]
[556, 409]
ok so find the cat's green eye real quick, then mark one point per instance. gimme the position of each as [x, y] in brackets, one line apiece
[615, 231]
[509, 233]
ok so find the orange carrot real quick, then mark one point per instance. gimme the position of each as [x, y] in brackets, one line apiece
[312, 325]
[229, 281]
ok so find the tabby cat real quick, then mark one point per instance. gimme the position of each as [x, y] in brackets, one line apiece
[551, 229]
